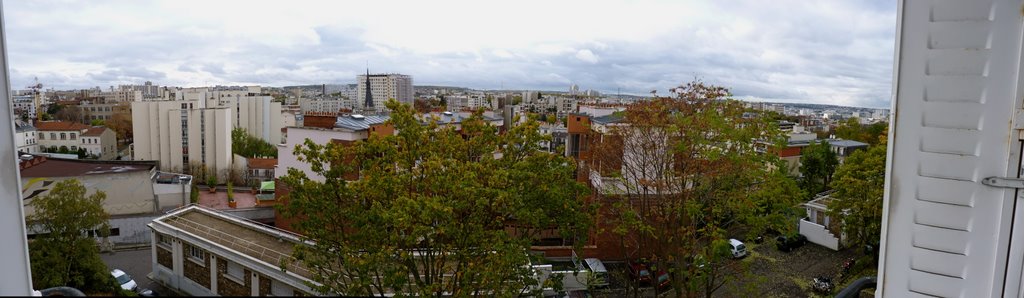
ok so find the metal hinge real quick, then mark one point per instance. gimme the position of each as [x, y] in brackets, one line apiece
[1003, 182]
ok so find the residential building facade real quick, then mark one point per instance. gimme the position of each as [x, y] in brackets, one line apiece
[54, 134]
[183, 135]
[100, 142]
[25, 137]
[201, 252]
[374, 90]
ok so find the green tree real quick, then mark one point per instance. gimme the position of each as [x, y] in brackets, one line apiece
[857, 200]
[248, 146]
[64, 255]
[434, 211]
[687, 169]
[817, 164]
[96, 122]
[851, 129]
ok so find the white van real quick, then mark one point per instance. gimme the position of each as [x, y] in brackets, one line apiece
[738, 249]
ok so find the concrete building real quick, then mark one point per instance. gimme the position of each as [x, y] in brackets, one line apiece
[256, 113]
[148, 89]
[183, 135]
[373, 90]
[322, 105]
[121, 95]
[24, 106]
[201, 252]
[25, 137]
[818, 226]
[100, 110]
[100, 142]
[135, 190]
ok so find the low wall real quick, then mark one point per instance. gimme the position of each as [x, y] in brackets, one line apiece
[818, 234]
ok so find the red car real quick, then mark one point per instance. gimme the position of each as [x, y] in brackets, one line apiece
[641, 272]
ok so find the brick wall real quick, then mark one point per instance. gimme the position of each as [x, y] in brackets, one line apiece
[264, 285]
[322, 121]
[195, 272]
[227, 286]
[164, 257]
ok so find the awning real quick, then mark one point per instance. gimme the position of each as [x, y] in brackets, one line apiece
[267, 185]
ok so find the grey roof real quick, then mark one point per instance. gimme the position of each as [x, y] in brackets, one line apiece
[607, 119]
[353, 123]
[831, 142]
[846, 143]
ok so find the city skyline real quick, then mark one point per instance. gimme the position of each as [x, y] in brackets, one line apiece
[796, 52]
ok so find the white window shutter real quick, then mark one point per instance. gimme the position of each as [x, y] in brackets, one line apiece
[956, 90]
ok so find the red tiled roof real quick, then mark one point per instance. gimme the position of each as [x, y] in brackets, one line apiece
[59, 126]
[262, 163]
[95, 131]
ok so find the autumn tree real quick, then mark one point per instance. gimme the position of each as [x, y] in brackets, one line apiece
[435, 211]
[851, 129]
[817, 164]
[682, 173]
[121, 124]
[857, 201]
[64, 254]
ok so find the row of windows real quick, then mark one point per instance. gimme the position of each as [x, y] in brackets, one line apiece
[53, 136]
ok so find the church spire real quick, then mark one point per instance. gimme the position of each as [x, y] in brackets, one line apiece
[369, 96]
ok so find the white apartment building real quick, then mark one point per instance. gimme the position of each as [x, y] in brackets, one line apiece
[100, 142]
[121, 95]
[148, 89]
[323, 105]
[24, 106]
[181, 134]
[255, 113]
[373, 90]
[25, 137]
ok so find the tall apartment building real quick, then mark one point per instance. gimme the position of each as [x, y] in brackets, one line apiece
[148, 89]
[256, 113]
[183, 134]
[373, 90]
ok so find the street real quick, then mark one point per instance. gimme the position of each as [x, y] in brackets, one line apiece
[137, 263]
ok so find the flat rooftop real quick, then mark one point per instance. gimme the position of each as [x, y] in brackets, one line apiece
[52, 167]
[249, 238]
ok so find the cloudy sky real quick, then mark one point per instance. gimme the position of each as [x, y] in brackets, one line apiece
[832, 52]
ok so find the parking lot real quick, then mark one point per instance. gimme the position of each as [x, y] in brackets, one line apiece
[136, 263]
[771, 273]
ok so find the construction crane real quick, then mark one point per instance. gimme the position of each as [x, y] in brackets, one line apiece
[36, 97]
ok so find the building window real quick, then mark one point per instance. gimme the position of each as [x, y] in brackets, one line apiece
[280, 289]
[63, 136]
[74, 147]
[163, 240]
[73, 136]
[235, 271]
[42, 136]
[196, 254]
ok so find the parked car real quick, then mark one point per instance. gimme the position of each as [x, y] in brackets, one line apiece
[738, 249]
[124, 280]
[788, 243]
[641, 273]
[148, 293]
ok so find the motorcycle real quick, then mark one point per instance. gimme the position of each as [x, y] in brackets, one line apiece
[822, 284]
